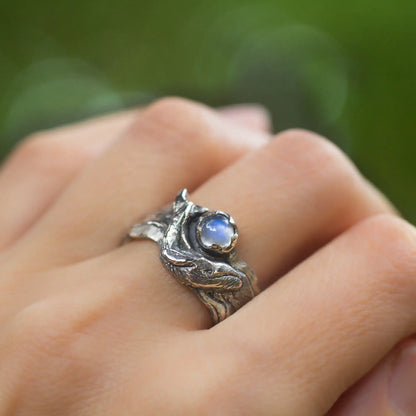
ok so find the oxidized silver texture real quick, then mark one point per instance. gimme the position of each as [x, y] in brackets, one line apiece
[222, 281]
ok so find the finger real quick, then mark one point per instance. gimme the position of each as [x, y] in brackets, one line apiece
[388, 390]
[174, 143]
[252, 116]
[289, 198]
[42, 166]
[323, 326]
[285, 205]
[46, 162]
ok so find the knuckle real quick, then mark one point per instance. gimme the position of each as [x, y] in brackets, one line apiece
[174, 121]
[312, 152]
[44, 343]
[37, 136]
[316, 159]
[51, 331]
[167, 107]
[32, 146]
[173, 112]
[45, 154]
[393, 241]
[37, 327]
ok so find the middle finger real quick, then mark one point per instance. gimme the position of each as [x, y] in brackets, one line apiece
[289, 198]
[174, 143]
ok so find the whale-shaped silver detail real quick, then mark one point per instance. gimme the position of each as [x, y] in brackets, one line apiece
[221, 280]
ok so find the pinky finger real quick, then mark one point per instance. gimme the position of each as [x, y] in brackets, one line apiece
[389, 390]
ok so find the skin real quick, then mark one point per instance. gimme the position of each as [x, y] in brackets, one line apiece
[91, 328]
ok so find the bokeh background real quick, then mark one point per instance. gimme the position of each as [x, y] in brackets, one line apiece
[346, 69]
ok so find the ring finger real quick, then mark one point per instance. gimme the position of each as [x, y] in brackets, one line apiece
[289, 198]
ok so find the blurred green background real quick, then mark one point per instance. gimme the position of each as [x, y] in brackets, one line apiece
[344, 69]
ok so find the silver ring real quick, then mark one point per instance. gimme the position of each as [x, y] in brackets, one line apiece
[197, 246]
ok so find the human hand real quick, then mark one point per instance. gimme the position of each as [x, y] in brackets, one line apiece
[91, 328]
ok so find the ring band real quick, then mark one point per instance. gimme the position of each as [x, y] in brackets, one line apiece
[197, 246]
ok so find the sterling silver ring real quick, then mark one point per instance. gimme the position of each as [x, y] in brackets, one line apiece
[197, 246]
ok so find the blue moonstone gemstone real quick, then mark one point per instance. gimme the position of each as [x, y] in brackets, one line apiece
[216, 230]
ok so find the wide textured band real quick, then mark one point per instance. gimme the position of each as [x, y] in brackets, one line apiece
[197, 246]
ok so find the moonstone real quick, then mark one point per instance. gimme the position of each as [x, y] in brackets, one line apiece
[216, 229]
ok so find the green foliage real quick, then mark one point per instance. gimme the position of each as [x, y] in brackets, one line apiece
[344, 69]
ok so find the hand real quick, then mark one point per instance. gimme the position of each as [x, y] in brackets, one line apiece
[90, 328]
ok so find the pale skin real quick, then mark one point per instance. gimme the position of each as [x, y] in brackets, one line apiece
[91, 328]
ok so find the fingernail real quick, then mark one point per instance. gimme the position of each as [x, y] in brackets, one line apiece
[253, 116]
[403, 382]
